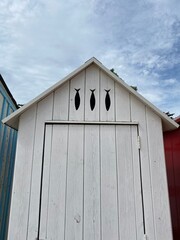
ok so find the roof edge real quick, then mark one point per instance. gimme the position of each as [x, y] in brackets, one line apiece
[22, 109]
[8, 91]
[169, 124]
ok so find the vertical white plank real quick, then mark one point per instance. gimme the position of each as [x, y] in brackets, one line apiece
[138, 113]
[46, 179]
[74, 200]
[91, 184]
[57, 185]
[158, 176]
[109, 207]
[61, 102]
[106, 83]
[77, 83]
[92, 82]
[122, 103]
[44, 112]
[127, 215]
[22, 176]
[139, 201]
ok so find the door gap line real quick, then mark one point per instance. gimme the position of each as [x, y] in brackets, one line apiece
[142, 195]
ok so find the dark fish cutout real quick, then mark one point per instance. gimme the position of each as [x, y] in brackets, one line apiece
[107, 100]
[77, 99]
[92, 99]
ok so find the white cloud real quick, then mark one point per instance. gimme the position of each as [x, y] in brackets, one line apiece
[170, 81]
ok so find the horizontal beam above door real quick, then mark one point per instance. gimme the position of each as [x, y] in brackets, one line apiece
[92, 123]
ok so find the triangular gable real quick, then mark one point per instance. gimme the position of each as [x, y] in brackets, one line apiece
[13, 119]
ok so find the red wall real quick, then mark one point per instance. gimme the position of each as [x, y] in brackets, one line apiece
[172, 155]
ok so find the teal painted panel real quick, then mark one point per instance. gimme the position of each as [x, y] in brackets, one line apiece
[8, 139]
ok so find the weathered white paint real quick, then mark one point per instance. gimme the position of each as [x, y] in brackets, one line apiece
[54, 182]
[109, 205]
[138, 111]
[92, 200]
[158, 175]
[122, 104]
[46, 163]
[92, 82]
[22, 177]
[57, 192]
[99, 198]
[93, 123]
[129, 188]
[106, 83]
[61, 102]
[77, 83]
[74, 195]
[44, 111]
[13, 119]
[137, 174]
[95, 156]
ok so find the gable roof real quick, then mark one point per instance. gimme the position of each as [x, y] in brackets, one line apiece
[13, 119]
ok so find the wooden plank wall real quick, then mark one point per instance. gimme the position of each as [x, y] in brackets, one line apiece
[8, 138]
[158, 175]
[87, 203]
[156, 202]
[59, 105]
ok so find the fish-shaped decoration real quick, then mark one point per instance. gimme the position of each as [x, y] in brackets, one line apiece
[92, 99]
[107, 100]
[77, 99]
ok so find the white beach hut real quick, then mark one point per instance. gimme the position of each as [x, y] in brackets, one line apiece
[90, 162]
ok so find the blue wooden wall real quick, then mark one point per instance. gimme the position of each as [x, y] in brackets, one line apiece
[8, 137]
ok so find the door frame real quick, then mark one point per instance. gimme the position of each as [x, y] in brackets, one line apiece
[129, 123]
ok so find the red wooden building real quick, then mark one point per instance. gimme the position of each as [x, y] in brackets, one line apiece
[172, 155]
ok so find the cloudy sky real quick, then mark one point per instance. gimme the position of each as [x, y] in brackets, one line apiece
[43, 41]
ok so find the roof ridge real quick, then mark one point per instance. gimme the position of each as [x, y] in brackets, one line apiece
[15, 115]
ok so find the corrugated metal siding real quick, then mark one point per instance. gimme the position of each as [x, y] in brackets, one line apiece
[8, 139]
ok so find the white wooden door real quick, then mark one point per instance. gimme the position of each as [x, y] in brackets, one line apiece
[91, 183]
